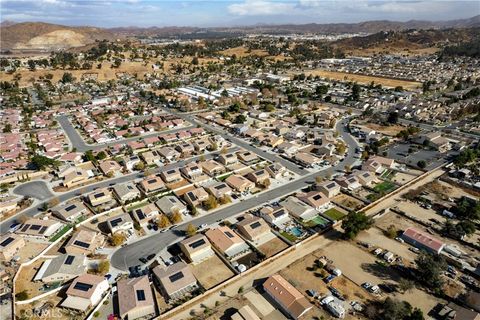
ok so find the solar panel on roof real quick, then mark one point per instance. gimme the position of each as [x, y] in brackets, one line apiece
[316, 197]
[175, 277]
[140, 295]
[70, 207]
[171, 171]
[81, 244]
[82, 286]
[151, 181]
[69, 260]
[197, 243]
[42, 231]
[25, 227]
[36, 227]
[229, 234]
[115, 222]
[331, 185]
[6, 242]
[255, 225]
[98, 195]
[279, 213]
[140, 214]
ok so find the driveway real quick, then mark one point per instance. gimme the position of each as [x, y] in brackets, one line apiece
[34, 189]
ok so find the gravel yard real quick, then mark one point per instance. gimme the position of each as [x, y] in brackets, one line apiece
[211, 272]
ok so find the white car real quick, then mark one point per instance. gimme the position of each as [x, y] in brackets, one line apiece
[327, 300]
[203, 226]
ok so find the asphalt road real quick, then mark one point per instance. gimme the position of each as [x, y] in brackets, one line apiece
[77, 141]
[129, 255]
[4, 226]
[34, 189]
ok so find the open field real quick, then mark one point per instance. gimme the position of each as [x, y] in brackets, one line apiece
[391, 130]
[25, 279]
[241, 52]
[217, 272]
[404, 51]
[342, 76]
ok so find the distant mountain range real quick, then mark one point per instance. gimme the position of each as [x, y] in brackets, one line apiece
[39, 36]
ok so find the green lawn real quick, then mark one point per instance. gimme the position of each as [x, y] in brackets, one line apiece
[224, 177]
[334, 214]
[385, 187]
[288, 236]
[389, 174]
[60, 233]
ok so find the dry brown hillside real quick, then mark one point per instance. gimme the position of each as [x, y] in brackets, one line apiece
[45, 37]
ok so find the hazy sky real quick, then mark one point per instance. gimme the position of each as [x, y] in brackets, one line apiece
[144, 13]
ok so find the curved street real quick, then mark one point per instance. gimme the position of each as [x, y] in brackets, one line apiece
[37, 189]
[129, 255]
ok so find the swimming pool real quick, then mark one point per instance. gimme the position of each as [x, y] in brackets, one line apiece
[320, 221]
[296, 231]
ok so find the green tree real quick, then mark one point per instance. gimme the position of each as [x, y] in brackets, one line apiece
[240, 119]
[422, 164]
[41, 162]
[356, 92]
[354, 223]
[191, 230]
[430, 268]
[67, 77]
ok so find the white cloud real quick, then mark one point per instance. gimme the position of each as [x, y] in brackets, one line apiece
[260, 8]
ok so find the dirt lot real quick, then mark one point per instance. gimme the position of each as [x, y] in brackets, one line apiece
[25, 280]
[366, 270]
[402, 177]
[272, 247]
[348, 201]
[217, 272]
[302, 277]
[392, 130]
[386, 82]
[31, 249]
[55, 312]
[376, 237]
[420, 213]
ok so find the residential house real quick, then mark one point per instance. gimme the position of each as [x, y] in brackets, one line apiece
[228, 159]
[146, 213]
[118, 223]
[240, 183]
[212, 167]
[169, 153]
[196, 196]
[171, 204]
[276, 170]
[247, 157]
[152, 184]
[201, 145]
[70, 212]
[329, 188]
[298, 208]
[175, 281]
[10, 243]
[84, 242]
[373, 166]
[258, 177]
[226, 241]
[39, 228]
[275, 216]
[306, 159]
[365, 178]
[192, 171]
[171, 175]
[288, 298]
[151, 157]
[219, 190]
[185, 149]
[254, 229]
[135, 298]
[61, 268]
[110, 167]
[348, 182]
[76, 177]
[316, 199]
[130, 162]
[85, 291]
[196, 248]
[99, 197]
[126, 191]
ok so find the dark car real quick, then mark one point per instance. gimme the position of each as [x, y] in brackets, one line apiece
[151, 256]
